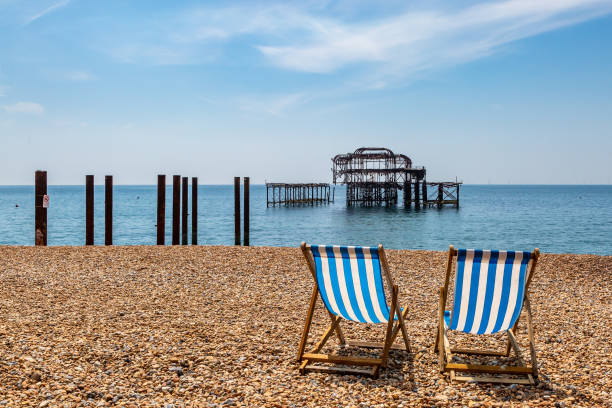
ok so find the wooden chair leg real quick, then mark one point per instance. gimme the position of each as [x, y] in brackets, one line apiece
[385, 351]
[509, 344]
[338, 330]
[402, 326]
[528, 373]
[311, 307]
[396, 329]
[532, 351]
[440, 340]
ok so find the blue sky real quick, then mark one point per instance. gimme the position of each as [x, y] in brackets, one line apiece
[511, 91]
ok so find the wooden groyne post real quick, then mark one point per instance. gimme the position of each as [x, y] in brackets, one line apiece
[184, 213]
[161, 209]
[108, 210]
[236, 210]
[89, 209]
[194, 211]
[176, 211]
[246, 210]
[40, 211]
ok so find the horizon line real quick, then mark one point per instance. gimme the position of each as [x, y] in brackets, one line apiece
[332, 184]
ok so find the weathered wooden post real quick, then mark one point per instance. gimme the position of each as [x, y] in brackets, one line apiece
[89, 209]
[176, 210]
[184, 213]
[440, 195]
[40, 211]
[425, 199]
[246, 211]
[108, 210]
[236, 210]
[417, 195]
[161, 209]
[194, 211]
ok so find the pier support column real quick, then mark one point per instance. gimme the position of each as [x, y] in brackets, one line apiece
[407, 194]
[440, 195]
[417, 195]
[457, 205]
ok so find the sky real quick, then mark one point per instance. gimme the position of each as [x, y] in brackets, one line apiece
[513, 91]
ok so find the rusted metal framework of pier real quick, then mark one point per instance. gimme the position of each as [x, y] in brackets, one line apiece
[298, 194]
[444, 193]
[374, 175]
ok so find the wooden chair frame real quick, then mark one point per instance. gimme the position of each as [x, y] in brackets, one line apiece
[442, 346]
[305, 358]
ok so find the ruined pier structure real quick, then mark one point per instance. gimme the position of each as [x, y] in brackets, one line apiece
[298, 194]
[374, 175]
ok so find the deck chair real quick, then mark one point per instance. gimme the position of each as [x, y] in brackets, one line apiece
[490, 292]
[350, 283]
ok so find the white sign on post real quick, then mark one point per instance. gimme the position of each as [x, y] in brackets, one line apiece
[45, 201]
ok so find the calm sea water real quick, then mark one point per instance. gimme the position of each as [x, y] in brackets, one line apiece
[559, 219]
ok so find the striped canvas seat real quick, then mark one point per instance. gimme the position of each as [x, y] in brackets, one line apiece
[350, 282]
[489, 290]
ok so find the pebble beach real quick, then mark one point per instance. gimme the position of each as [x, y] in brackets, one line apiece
[213, 326]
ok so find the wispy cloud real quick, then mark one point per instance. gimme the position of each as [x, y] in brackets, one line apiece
[47, 10]
[427, 39]
[276, 105]
[80, 76]
[24, 107]
[386, 47]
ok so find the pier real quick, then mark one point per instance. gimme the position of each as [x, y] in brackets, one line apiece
[445, 193]
[374, 176]
[298, 194]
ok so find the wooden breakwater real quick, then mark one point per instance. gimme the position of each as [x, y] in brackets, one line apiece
[180, 205]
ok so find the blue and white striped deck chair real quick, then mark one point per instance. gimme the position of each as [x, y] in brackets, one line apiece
[350, 281]
[490, 291]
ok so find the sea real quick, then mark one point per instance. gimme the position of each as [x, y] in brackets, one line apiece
[554, 218]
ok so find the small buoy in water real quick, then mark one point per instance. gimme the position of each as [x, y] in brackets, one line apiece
[16, 205]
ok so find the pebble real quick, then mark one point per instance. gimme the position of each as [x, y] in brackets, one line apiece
[219, 326]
